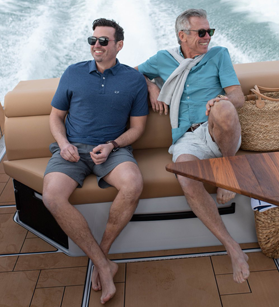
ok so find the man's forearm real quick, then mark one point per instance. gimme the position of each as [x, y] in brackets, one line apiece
[128, 137]
[58, 130]
[133, 133]
[236, 97]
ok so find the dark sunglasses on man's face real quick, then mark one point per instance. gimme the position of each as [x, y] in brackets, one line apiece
[103, 41]
[202, 32]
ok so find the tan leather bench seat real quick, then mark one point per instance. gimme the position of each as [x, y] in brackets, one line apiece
[157, 182]
[27, 137]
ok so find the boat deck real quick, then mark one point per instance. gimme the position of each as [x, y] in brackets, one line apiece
[34, 274]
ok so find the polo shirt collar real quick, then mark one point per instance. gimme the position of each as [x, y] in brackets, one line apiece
[113, 69]
[181, 53]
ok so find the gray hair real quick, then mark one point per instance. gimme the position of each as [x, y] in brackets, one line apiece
[182, 21]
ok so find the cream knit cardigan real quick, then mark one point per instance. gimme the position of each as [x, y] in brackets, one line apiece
[173, 88]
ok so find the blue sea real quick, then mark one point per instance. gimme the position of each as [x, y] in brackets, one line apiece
[40, 38]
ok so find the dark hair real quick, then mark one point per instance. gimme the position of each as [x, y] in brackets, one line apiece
[102, 22]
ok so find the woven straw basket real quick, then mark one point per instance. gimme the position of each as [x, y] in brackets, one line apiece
[259, 119]
[267, 228]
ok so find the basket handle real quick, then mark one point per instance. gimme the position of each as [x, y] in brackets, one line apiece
[259, 102]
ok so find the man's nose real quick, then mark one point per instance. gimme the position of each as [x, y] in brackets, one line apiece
[97, 44]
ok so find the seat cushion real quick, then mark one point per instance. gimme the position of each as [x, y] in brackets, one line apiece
[157, 181]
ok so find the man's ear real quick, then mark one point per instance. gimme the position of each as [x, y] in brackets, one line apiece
[182, 36]
[119, 45]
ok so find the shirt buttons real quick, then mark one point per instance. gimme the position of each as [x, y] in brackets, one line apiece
[104, 78]
[102, 85]
[187, 85]
[188, 97]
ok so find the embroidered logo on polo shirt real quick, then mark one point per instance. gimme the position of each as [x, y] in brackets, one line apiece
[116, 92]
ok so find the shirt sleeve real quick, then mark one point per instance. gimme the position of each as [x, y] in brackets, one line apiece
[140, 104]
[227, 73]
[62, 97]
[150, 67]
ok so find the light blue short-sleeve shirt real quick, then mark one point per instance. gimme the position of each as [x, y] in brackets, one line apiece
[205, 81]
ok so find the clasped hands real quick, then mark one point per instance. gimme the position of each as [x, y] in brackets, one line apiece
[99, 154]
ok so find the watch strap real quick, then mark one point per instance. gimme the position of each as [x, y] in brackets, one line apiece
[115, 145]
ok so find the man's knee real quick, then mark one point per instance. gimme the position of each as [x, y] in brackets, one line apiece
[57, 189]
[131, 184]
[50, 200]
[221, 112]
[190, 187]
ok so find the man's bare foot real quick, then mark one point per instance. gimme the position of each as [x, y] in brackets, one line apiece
[101, 281]
[239, 264]
[223, 196]
[96, 284]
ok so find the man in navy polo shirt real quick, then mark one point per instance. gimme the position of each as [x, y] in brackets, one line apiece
[99, 97]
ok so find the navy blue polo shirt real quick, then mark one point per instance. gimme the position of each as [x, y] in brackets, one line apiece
[99, 105]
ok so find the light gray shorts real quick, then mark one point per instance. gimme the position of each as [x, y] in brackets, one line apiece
[197, 143]
[85, 166]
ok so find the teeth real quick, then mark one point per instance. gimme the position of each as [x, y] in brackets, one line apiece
[204, 44]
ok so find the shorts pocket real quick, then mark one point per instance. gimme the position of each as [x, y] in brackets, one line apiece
[53, 147]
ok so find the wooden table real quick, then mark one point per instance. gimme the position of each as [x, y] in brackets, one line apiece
[254, 175]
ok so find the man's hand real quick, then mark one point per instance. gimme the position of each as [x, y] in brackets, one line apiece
[100, 153]
[157, 106]
[154, 91]
[211, 103]
[70, 153]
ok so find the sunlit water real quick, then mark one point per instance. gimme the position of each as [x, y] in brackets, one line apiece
[40, 38]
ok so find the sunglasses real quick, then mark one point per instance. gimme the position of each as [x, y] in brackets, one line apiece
[103, 41]
[202, 32]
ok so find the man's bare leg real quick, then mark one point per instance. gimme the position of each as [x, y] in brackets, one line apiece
[225, 129]
[206, 210]
[57, 189]
[127, 179]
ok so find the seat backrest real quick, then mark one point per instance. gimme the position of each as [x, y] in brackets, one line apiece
[260, 73]
[27, 109]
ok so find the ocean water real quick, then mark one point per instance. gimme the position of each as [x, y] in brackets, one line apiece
[40, 38]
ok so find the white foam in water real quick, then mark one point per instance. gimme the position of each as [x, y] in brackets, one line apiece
[39, 39]
[42, 39]
[237, 55]
[259, 11]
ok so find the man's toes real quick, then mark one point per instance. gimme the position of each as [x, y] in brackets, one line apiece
[238, 278]
[106, 298]
[96, 286]
[223, 196]
[246, 274]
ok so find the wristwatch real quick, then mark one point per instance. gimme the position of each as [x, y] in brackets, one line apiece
[115, 145]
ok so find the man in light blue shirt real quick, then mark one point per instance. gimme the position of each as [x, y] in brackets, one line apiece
[206, 80]
[204, 122]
